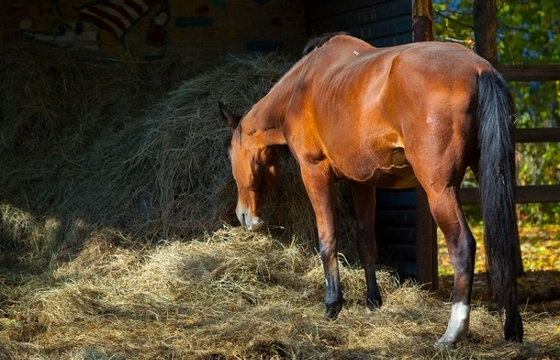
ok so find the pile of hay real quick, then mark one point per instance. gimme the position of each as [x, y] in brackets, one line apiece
[70, 123]
[91, 142]
[234, 295]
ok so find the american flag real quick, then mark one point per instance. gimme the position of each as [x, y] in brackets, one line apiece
[116, 16]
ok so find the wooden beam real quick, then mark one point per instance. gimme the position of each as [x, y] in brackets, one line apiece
[529, 72]
[523, 194]
[539, 135]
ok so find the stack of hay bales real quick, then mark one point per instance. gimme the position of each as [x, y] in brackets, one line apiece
[92, 144]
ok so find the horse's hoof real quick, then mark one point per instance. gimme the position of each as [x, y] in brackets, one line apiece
[333, 307]
[514, 336]
[331, 314]
[445, 344]
[372, 305]
[513, 328]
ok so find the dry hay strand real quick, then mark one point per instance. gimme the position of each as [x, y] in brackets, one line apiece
[236, 295]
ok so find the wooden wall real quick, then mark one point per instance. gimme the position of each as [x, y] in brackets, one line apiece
[379, 22]
[206, 29]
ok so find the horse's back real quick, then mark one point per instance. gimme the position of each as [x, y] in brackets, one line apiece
[350, 70]
[374, 105]
[377, 89]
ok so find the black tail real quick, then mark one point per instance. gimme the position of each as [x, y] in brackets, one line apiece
[497, 181]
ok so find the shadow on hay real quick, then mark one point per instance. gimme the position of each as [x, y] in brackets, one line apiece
[76, 129]
[93, 145]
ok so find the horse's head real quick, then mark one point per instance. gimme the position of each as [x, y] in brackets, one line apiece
[254, 167]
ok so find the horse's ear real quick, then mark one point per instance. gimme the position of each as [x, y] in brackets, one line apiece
[231, 119]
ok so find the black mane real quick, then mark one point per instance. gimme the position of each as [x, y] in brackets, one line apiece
[319, 41]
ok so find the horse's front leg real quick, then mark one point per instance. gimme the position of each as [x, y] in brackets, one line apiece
[363, 197]
[320, 188]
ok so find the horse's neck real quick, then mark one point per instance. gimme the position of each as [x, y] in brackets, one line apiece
[268, 115]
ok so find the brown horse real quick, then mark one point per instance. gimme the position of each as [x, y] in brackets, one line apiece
[396, 117]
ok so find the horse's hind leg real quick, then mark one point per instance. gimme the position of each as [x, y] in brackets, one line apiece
[461, 245]
[363, 197]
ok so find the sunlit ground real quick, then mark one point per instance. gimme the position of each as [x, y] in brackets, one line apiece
[540, 285]
[540, 249]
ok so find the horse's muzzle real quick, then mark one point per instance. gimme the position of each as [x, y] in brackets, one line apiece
[250, 222]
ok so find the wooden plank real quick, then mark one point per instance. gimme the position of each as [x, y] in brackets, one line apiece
[374, 9]
[523, 194]
[396, 199]
[392, 40]
[426, 236]
[426, 243]
[349, 20]
[383, 29]
[530, 72]
[393, 253]
[380, 22]
[396, 234]
[403, 216]
[537, 135]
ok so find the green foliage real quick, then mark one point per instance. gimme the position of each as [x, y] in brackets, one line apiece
[527, 34]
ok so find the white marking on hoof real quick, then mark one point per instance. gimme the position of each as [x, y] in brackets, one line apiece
[458, 326]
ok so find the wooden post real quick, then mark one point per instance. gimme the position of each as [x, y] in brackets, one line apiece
[422, 23]
[426, 243]
[485, 29]
[426, 236]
